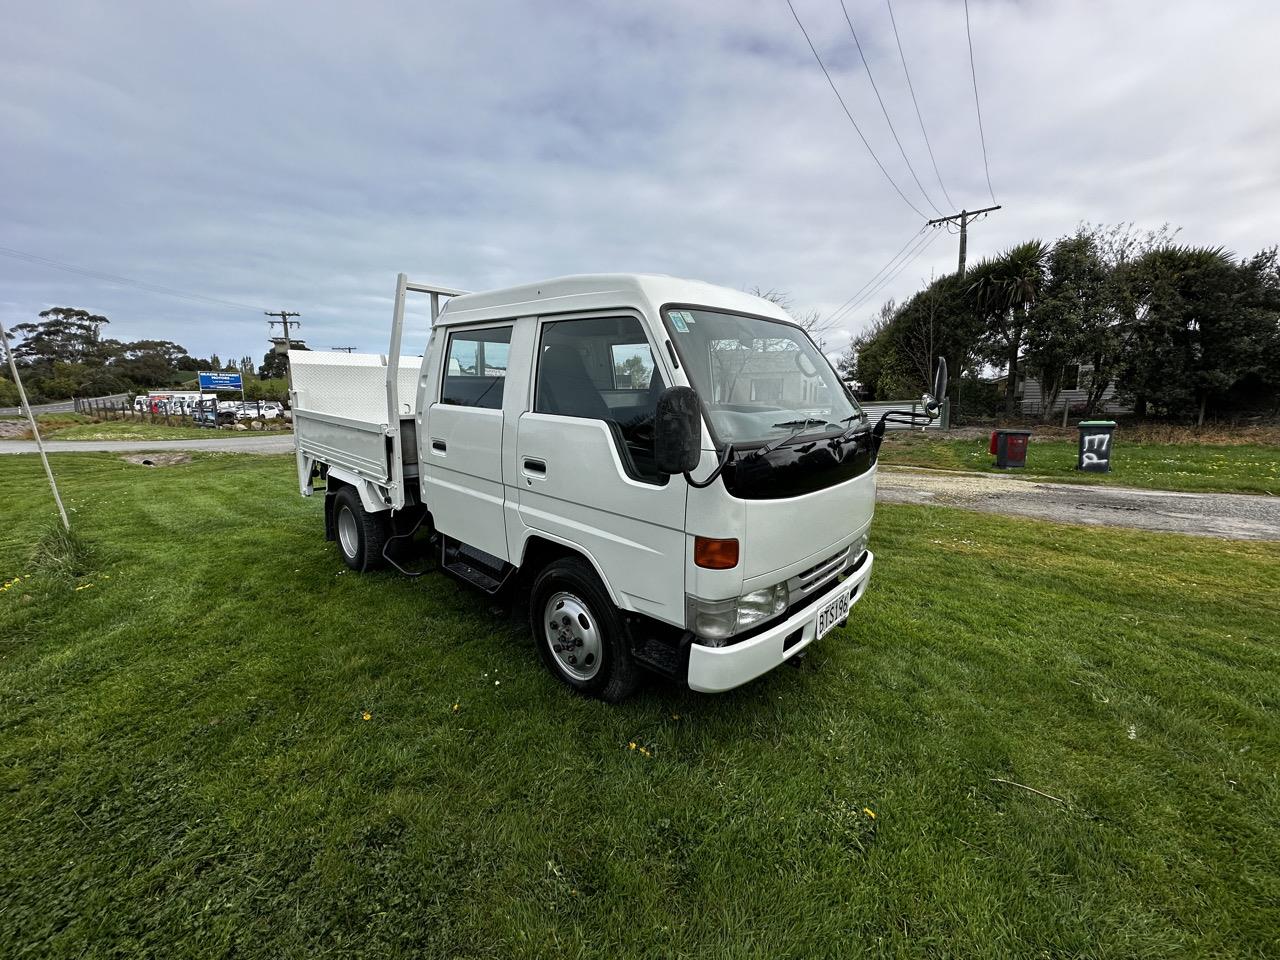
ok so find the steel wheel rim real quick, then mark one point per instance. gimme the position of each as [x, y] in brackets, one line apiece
[572, 635]
[348, 534]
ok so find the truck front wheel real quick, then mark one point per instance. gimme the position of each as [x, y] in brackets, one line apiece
[361, 535]
[580, 636]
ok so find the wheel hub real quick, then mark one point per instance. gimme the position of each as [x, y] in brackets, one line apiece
[348, 534]
[573, 635]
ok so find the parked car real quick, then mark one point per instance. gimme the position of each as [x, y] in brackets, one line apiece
[671, 472]
[212, 418]
[258, 410]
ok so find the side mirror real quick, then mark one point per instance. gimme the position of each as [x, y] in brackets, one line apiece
[678, 431]
[933, 400]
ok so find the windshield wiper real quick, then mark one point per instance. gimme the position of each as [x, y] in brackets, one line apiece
[795, 425]
[850, 433]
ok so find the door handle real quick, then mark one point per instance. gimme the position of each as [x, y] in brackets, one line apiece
[535, 468]
[438, 445]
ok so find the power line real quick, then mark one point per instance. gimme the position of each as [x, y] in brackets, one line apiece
[920, 248]
[845, 107]
[977, 103]
[919, 116]
[839, 311]
[884, 274]
[885, 110]
[127, 281]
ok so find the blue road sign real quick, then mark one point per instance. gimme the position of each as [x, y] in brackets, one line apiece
[220, 381]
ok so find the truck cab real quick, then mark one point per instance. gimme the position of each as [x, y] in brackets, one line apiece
[670, 473]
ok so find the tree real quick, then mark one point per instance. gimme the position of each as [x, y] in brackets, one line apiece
[275, 364]
[1072, 320]
[1191, 338]
[148, 363]
[1261, 298]
[65, 334]
[812, 322]
[1005, 289]
[874, 358]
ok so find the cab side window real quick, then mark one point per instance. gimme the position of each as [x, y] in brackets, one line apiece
[475, 369]
[603, 369]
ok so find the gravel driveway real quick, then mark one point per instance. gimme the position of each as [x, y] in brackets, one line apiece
[1227, 515]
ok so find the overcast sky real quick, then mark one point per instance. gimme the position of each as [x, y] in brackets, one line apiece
[299, 155]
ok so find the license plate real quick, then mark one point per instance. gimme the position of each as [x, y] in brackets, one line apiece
[832, 614]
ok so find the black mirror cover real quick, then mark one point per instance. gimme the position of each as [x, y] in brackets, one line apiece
[933, 400]
[678, 431]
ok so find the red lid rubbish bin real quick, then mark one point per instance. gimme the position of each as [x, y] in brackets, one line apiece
[1011, 448]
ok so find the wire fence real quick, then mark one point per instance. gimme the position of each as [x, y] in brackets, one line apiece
[253, 415]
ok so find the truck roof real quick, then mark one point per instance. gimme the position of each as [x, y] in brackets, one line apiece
[601, 291]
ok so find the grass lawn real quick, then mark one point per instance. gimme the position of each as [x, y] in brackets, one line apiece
[77, 426]
[186, 767]
[1220, 468]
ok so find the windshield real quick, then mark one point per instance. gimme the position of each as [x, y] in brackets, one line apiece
[759, 380]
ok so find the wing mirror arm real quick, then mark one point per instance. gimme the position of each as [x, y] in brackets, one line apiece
[678, 436]
[931, 402]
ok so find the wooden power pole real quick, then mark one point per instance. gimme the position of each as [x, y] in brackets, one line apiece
[284, 316]
[963, 217]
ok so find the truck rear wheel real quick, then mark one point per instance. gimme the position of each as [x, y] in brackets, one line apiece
[361, 535]
[580, 636]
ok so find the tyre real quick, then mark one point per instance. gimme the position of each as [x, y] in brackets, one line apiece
[579, 633]
[361, 536]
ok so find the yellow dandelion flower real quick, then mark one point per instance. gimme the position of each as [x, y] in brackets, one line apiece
[366, 715]
[631, 745]
[455, 708]
[869, 812]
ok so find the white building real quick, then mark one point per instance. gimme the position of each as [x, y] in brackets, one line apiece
[1075, 392]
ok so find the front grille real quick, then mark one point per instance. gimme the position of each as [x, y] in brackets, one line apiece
[816, 577]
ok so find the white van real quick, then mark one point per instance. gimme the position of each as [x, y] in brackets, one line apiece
[671, 472]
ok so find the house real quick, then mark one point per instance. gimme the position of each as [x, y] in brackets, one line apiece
[1075, 392]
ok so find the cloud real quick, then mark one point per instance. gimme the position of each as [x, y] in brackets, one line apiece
[300, 155]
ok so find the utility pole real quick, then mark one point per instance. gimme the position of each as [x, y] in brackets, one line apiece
[284, 316]
[35, 430]
[963, 217]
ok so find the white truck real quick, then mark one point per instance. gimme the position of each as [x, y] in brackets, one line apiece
[670, 472]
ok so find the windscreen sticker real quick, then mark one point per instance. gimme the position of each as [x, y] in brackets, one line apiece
[677, 321]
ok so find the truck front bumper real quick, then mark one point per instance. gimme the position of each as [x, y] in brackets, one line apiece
[716, 669]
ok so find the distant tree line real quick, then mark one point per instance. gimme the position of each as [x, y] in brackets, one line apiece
[1179, 331]
[65, 354]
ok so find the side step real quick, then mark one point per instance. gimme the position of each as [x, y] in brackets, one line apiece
[480, 569]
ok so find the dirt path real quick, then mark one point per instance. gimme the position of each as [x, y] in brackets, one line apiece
[1227, 515]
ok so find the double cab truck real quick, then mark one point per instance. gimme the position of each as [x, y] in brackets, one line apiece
[671, 474]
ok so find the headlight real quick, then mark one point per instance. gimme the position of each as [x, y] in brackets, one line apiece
[714, 621]
[859, 547]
